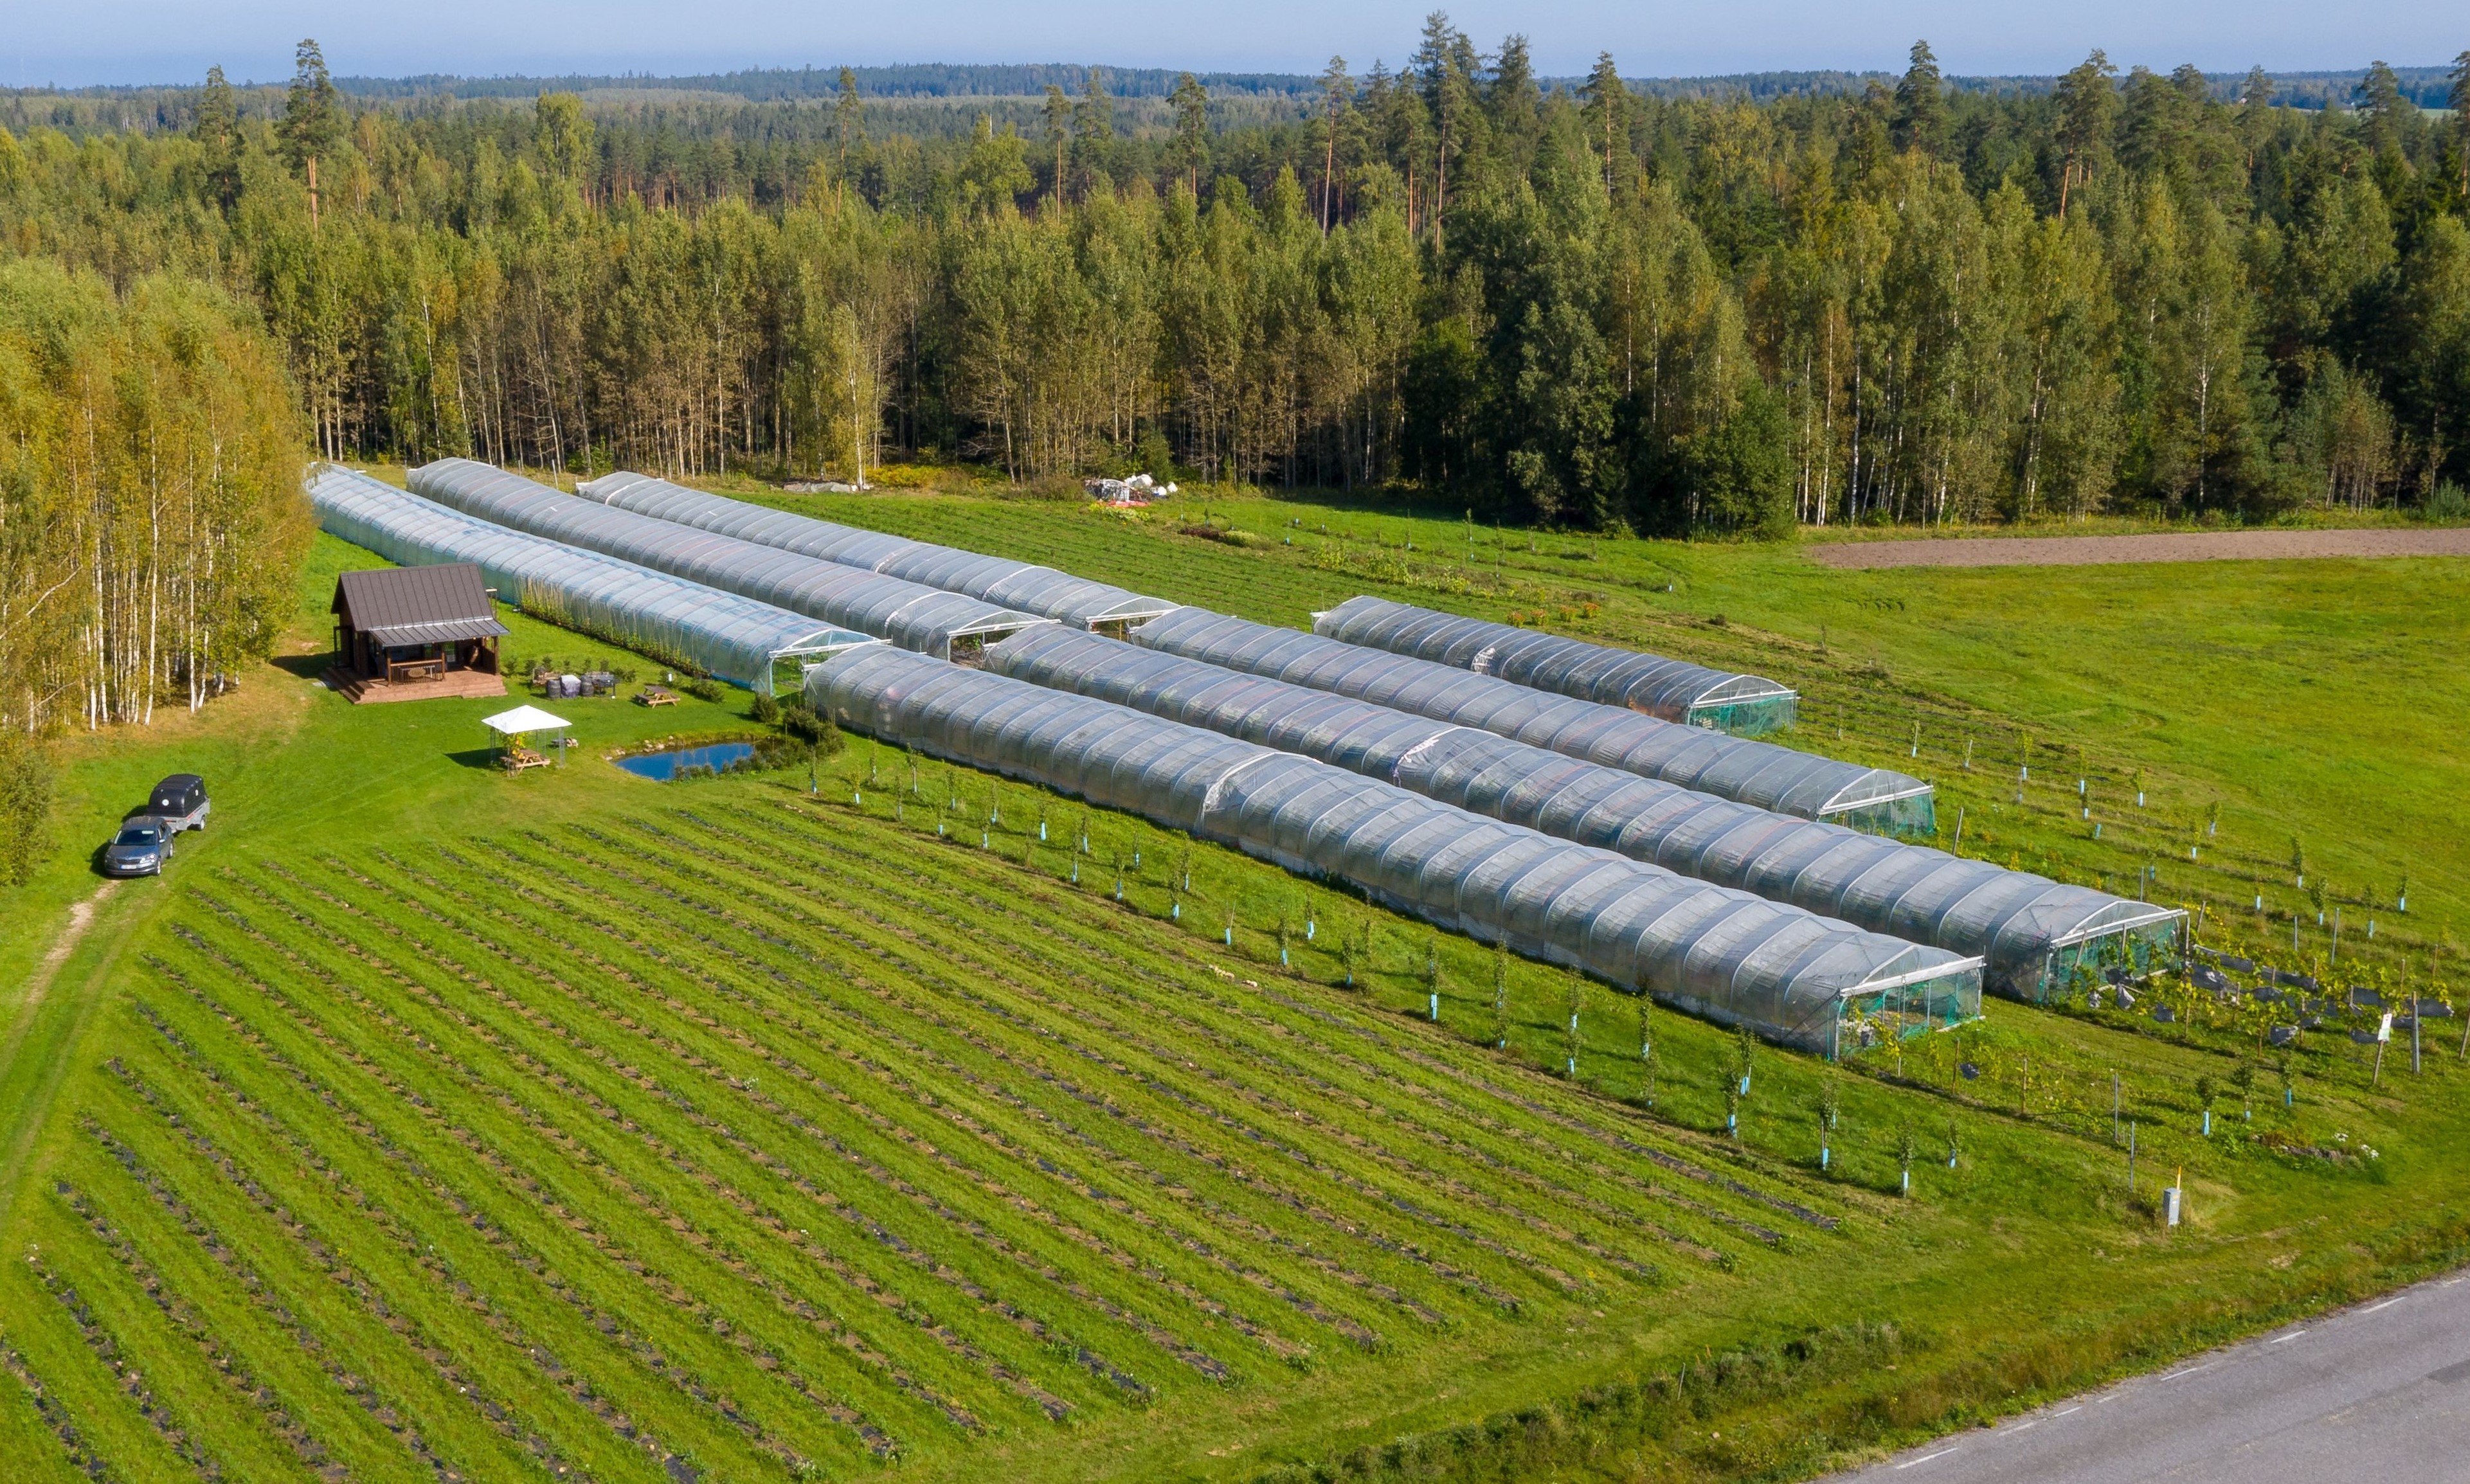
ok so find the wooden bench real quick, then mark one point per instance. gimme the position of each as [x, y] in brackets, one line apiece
[398, 670]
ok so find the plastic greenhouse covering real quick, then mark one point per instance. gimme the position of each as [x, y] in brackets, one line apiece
[736, 639]
[1673, 689]
[2031, 931]
[1735, 768]
[928, 619]
[1791, 975]
[1035, 590]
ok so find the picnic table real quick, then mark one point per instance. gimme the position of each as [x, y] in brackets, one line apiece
[400, 670]
[655, 695]
[518, 758]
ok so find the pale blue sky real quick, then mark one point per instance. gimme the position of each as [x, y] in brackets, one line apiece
[82, 41]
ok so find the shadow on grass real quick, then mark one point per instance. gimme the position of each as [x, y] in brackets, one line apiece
[305, 666]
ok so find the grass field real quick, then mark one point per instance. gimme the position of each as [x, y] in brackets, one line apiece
[427, 1124]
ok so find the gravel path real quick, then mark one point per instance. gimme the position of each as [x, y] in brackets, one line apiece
[2162, 546]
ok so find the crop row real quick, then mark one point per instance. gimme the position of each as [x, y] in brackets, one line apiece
[586, 958]
[1170, 1015]
[882, 1074]
[437, 1327]
[650, 1280]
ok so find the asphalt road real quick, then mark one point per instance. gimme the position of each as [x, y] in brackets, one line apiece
[2380, 1392]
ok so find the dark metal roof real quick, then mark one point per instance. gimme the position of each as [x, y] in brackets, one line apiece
[418, 605]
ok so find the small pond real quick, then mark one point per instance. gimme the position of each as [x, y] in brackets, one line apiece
[718, 757]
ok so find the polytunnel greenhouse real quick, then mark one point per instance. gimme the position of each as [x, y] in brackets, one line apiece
[2031, 931]
[1673, 689]
[735, 638]
[1034, 590]
[1791, 975]
[1736, 767]
[929, 620]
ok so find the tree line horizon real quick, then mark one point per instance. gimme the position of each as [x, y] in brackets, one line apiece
[173, 103]
[1586, 306]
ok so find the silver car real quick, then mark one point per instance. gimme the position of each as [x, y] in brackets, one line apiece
[141, 849]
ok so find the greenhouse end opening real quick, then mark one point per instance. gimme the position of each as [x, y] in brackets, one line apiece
[1874, 1015]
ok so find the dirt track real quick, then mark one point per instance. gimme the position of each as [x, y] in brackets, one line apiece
[2163, 546]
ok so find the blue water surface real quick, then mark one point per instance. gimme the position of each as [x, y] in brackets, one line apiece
[665, 766]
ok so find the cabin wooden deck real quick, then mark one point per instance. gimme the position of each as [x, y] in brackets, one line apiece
[453, 684]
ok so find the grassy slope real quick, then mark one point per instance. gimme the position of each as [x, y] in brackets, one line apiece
[2027, 1265]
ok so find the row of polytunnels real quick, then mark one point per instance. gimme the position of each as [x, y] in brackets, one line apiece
[1607, 810]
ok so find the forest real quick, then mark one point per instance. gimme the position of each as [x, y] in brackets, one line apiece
[1581, 305]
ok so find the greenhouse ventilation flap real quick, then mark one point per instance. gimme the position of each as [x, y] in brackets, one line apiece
[1736, 767]
[738, 640]
[929, 620]
[2032, 932]
[1795, 977]
[1035, 590]
[1672, 689]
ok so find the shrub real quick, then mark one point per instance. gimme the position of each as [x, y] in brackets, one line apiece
[701, 689]
[25, 808]
[764, 709]
[820, 732]
[776, 752]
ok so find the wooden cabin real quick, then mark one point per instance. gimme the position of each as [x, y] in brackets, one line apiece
[412, 632]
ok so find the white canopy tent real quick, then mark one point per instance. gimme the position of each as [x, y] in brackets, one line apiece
[524, 721]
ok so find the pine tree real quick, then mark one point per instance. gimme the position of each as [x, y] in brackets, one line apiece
[1445, 67]
[312, 117]
[1059, 133]
[217, 130]
[1337, 103]
[848, 126]
[2458, 98]
[1191, 102]
[2086, 101]
[2389, 116]
[1920, 103]
[1607, 114]
[1093, 132]
[2255, 113]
